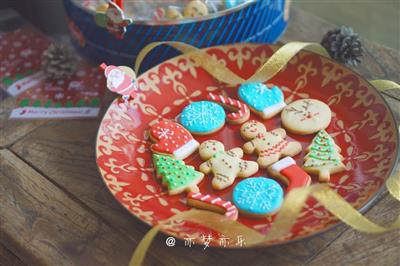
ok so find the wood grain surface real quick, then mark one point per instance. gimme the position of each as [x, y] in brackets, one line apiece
[55, 209]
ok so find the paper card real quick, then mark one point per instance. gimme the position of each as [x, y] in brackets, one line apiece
[77, 97]
[21, 49]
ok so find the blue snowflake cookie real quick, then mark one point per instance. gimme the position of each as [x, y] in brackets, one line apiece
[262, 100]
[258, 196]
[203, 117]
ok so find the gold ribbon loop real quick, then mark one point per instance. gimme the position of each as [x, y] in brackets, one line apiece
[295, 199]
[268, 70]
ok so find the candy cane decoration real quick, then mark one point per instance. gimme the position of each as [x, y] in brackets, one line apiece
[241, 112]
[290, 173]
[213, 203]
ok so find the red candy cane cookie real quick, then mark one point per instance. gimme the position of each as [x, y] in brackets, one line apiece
[213, 203]
[241, 112]
[290, 173]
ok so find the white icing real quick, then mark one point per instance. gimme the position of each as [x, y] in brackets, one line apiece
[186, 149]
[282, 164]
[274, 108]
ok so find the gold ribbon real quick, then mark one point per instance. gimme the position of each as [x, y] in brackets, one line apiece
[296, 198]
[269, 69]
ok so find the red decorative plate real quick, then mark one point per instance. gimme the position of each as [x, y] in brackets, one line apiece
[363, 126]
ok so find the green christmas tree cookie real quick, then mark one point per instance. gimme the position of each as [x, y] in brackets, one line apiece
[323, 157]
[176, 176]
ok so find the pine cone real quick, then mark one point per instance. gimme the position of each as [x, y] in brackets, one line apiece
[343, 45]
[58, 61]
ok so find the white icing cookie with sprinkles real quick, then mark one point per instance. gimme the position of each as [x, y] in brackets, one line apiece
[213, 203]
[306, 116]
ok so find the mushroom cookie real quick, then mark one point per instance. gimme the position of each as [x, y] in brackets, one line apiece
[172, 139]
[306, 116]
[225, 165]
[262, 100]
[176, 176]
[323, 157]
[269, 145]
[202, 118]
[258, 197]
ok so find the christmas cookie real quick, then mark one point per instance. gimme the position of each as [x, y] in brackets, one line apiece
[195, 8]
[202, 118]
[323, 157]
[269, 145]
[172, 139]
[263, 101]
[176, 176]
[213, 203]
[240, 111]
[225, 165]
[289, 173]
[258, 197]
[306, 116]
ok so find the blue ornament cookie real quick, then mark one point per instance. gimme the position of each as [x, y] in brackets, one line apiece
[202, 118]
[258, 197]
[262, 100]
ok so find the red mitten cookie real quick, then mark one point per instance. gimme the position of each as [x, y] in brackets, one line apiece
[172, 139]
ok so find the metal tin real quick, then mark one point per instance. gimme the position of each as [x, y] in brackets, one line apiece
[260, 21]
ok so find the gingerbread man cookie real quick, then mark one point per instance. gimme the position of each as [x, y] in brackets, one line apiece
[225, 165]
[172, 139]
[306, 116]
[269, 145]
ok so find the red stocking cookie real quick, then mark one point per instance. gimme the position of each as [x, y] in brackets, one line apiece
[290, 173]
[172, 139]
[213, 203]
[240, 111]
[269, 145]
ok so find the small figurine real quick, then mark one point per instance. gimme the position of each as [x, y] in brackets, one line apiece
[116, 22]
[120, 79]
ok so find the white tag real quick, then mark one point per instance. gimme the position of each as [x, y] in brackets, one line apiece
[26, 83]
[43, 112]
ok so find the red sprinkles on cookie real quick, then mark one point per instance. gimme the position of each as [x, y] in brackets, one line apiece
[172, 139]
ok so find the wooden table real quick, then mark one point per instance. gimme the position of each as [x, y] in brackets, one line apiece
[55, 209]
